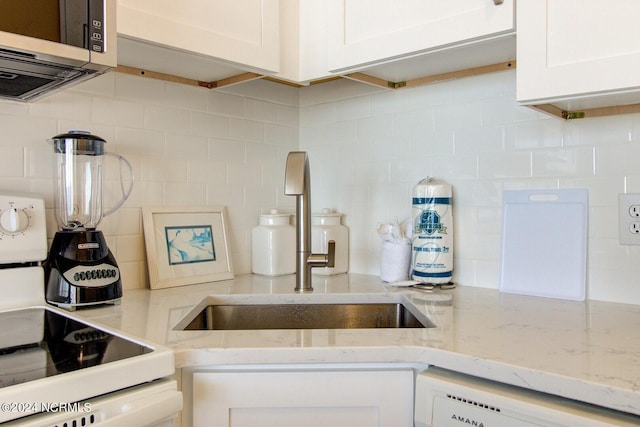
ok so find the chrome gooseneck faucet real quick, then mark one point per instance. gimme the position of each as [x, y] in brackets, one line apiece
[297, 182]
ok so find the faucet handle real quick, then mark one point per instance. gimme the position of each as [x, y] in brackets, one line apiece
[331, 253]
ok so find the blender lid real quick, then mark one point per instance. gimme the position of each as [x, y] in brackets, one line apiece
[78, 134]
[79, 142]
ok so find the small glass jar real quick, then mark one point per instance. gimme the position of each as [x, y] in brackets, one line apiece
[326, 226]
[273, 245]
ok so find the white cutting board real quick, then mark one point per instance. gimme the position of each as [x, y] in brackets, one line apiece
[544, 243]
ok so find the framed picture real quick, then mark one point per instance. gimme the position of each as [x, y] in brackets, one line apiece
[186, 245]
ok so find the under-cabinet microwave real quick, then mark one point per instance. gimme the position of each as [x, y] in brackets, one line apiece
[49, 44]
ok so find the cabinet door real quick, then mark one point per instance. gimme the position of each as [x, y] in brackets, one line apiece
[362, 32]
[244, 32]
[303, 398]
[575, 48]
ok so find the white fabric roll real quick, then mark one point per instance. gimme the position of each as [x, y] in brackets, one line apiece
[395, 260]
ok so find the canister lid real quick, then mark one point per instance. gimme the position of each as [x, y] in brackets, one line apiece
[326, 217]
[275, 217]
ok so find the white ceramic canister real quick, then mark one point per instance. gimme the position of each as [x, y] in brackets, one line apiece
[326, 226]
[432, 241]
[273, 245]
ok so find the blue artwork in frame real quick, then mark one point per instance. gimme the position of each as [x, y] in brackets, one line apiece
[190, 244]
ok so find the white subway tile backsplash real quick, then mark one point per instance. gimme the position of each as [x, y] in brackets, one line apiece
[318, 114]
[266, 90]
[603, 190]
[599, 130]
[486, 139]
[144, 143]
[565, 162]
[37, 162]
[167, 119]
[63, 105]
[632, 183]
[210, 125]
[26, 130]
[13, 108]
[226, 104]
[206, 171]
[376, 128]
[130, 248]
[534, 134]
[459, 116]
[181, 146]
[24, 162]
[246, 130]
[225, 150]
[147, 194]
[353, 108]
[163, 170]
[390, 102]
[117, 112]
[504, 165]
[105, 85]
[231, 196]
[472, 134]
[287, 115]
[416, 124]
[185, 193]
[262, 111]
[617, 159]
[367, 147]
[126, 221]
[140, 89]
[286, 136]
[186, 97]
[463, 166]
[485, 273]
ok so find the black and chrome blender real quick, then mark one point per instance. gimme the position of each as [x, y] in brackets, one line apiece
[80, 269]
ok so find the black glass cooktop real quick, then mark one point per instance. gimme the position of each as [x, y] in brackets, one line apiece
[38, 343]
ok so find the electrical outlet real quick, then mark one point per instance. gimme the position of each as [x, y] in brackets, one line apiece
[629, 219]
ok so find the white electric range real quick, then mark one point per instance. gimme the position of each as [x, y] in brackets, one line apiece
[59, 369]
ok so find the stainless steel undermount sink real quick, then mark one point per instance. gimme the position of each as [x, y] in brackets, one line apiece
[290, 315]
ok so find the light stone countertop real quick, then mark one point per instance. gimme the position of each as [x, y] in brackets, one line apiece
[589, 351]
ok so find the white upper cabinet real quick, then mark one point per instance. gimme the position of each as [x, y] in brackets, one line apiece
[305, 41]
[362, 33]
[240, 32]
[578, 54]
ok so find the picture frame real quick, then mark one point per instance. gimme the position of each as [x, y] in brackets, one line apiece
[186, 245]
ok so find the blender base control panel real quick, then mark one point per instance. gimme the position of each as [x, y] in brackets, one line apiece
[96, 275]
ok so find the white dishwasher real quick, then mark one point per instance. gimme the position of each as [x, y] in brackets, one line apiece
[449, 399]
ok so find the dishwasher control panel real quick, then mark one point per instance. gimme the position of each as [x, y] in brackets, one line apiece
[450, 399]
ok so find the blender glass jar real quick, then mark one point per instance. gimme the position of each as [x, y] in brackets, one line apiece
[79, 180]
[78, 193]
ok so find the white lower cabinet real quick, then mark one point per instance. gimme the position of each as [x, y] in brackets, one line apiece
[309, 398]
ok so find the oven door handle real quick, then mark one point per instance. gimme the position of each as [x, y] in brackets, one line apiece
[143, 412]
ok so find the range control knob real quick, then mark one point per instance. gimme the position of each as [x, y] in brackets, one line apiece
[13, 221]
